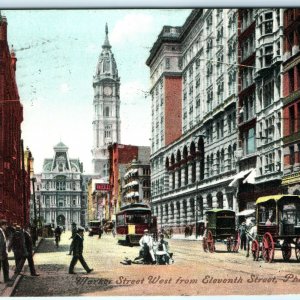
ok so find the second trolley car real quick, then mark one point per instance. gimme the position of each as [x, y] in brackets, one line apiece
[133, 219]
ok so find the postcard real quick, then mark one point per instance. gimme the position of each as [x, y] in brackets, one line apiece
[149, 152]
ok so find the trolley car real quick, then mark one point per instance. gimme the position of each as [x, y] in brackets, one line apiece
[133, 219]
[278, 227]
[221, 225]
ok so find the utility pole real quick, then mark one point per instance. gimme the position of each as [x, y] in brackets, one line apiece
[34, 200]
[24, 187]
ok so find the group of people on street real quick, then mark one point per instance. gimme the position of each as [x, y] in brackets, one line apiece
[154, 250]
[106, 228]
[20, 241]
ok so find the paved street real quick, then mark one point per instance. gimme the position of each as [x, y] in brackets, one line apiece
[193, 273]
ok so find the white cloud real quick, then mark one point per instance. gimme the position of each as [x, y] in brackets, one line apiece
[132, 91]
[64, 88]
[131, 28]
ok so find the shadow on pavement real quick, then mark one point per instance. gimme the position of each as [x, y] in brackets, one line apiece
[62, 284]
[48, 245]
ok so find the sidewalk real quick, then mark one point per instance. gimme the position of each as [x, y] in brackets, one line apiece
[7, 289]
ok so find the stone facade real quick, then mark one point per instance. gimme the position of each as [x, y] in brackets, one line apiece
[191, 171]
[106, 122]
[60, 192]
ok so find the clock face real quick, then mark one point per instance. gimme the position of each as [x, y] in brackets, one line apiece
[107, 91]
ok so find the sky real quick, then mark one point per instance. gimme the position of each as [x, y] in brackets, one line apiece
[57, 52]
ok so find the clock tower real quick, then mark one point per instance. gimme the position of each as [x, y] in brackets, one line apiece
[106, 121]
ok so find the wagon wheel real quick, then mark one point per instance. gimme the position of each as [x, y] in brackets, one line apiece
[268, 247]
[297, 248]
[236, 242]
[204, 244]
[255, 249]
[286, 250]
[210, 242]
[229, 244]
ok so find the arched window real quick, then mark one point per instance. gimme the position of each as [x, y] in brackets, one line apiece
[209, 201]
[220, 199]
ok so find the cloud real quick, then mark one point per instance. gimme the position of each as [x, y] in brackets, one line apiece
[131, 28]
[132, 92]
[64, 88]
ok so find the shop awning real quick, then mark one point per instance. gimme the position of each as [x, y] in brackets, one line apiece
[251, 177]
[247, 212]
[277, 198]
[238, 176]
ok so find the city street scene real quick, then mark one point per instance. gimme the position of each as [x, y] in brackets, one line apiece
[150, 152]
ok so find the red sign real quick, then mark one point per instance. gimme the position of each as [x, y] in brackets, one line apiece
[103, 187]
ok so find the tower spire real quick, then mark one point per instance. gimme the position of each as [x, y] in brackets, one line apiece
[106, 41]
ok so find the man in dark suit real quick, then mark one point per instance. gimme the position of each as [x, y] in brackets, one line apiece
[29, 246]
[3, 251]
[17, 245]
[74, 232]
[77, 252]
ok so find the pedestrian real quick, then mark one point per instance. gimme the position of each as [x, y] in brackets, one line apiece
[77, 252]
[57, 234]
[3, 251]
[100, 231]
[74, 232]
[29, 248]
[243, 236]
[17, 245]
[113, 230]
[146, 243]
[162, 251]
[33, 233]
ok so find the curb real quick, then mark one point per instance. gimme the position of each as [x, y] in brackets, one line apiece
[9, 290]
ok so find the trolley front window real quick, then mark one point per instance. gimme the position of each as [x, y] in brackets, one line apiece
[120, 220]
[138, 219]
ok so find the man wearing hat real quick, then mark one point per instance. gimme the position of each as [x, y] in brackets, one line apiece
[17, 245]
[74, 232]
[77, 252]
[146, 242]
[3, 251]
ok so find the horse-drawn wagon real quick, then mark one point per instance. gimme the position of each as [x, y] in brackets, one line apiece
[278, 227]
[221, 225]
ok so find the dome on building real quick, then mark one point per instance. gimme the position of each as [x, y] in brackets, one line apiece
[61, 146]
[106, 66]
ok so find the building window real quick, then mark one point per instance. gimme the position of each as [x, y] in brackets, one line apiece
[266, 23]
[167, 63]
[268, 55]
[292, 155]
[292, 119]
[268, 93]
[291, 80]
[250, 141]
[107, 111]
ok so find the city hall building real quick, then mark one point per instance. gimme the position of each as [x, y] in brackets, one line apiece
[61, 200]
